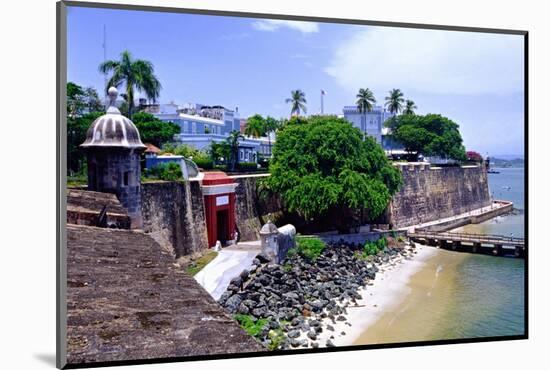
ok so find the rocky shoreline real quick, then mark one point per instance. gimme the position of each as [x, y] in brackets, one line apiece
[299, 303]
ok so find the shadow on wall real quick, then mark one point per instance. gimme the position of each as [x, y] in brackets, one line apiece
[173, 213]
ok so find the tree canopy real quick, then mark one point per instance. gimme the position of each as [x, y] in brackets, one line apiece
[394, 101]
[255, 126]
[322, 164]
[76, 134]
[429, 135]
[297, 102]
[365, 100]
[154, 131]
[81, 100]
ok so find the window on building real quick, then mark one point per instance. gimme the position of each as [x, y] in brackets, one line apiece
[126, 178]
[185, 127]
[194, 127]
[241, 154]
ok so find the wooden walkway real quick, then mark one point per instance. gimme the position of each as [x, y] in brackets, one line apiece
[497, 245]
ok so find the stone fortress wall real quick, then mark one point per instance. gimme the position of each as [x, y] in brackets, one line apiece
[173, 213]
[428, 193]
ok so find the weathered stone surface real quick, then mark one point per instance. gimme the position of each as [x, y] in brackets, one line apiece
[428, 194]
[84, 207]
[173, 213]
[127, 300]
[251, 209]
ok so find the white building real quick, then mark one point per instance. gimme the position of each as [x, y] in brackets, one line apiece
[371, 123]
[201, 125]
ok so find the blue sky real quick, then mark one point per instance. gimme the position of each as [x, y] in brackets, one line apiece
[475, 79]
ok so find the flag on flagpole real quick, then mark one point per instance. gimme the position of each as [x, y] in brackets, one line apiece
[323, 92]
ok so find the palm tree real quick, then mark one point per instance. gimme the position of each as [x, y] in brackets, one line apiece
[233, 141]
[135, 74]
[271, 125]
[255, 126]
[409, 107]
[394, 102]
[365, 102]
[298, 102]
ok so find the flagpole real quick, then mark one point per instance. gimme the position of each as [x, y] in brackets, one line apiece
[322, 110]
[104, 60]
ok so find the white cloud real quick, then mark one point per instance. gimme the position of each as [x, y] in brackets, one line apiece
[429, 61]
[271, 25]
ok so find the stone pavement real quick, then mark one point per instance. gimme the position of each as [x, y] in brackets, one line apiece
[128, 300]
[229, 263]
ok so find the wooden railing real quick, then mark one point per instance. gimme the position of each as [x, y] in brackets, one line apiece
[468, 237]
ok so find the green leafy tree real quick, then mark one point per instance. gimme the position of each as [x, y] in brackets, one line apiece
[255, 126]
[233, 142]
[297, 102]
[323, 166]
[92, 101]
[135, 74]
[394, 102]
[153, 130]
[220, 152]
[82, 100]
[76, 134]
[75, 99]
[430, 135]
[409, 107]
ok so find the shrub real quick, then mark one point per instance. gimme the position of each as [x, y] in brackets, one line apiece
[204, 163]
[250, 324]
[166, 171]
[308, 247]
[372, 248]
[248, 166]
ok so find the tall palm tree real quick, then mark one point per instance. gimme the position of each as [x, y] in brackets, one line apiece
[233, 141]
[409, 107]
[298, 102]
[255, 126]
[394, 102]
[365, 102]
[271, 125]
[135, 74]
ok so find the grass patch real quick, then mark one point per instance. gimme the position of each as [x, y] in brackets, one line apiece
[195, 266]
[308, 247]
[276, 338]
[76, 181]
[250, 324]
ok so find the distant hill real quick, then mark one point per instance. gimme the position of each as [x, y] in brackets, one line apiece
[499, 162]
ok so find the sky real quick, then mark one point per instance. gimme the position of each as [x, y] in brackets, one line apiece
[475, 79]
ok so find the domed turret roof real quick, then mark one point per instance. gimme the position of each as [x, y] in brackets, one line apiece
[113, 129]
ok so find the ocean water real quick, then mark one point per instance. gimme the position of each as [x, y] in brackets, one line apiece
[507, 185]
[462, 295]
[490, 291]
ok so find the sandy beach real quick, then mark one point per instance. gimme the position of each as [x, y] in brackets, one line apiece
[383, 294]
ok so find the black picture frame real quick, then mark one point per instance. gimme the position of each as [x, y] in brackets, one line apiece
[61, 78]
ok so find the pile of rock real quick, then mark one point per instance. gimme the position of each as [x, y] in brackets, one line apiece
[300, 298]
